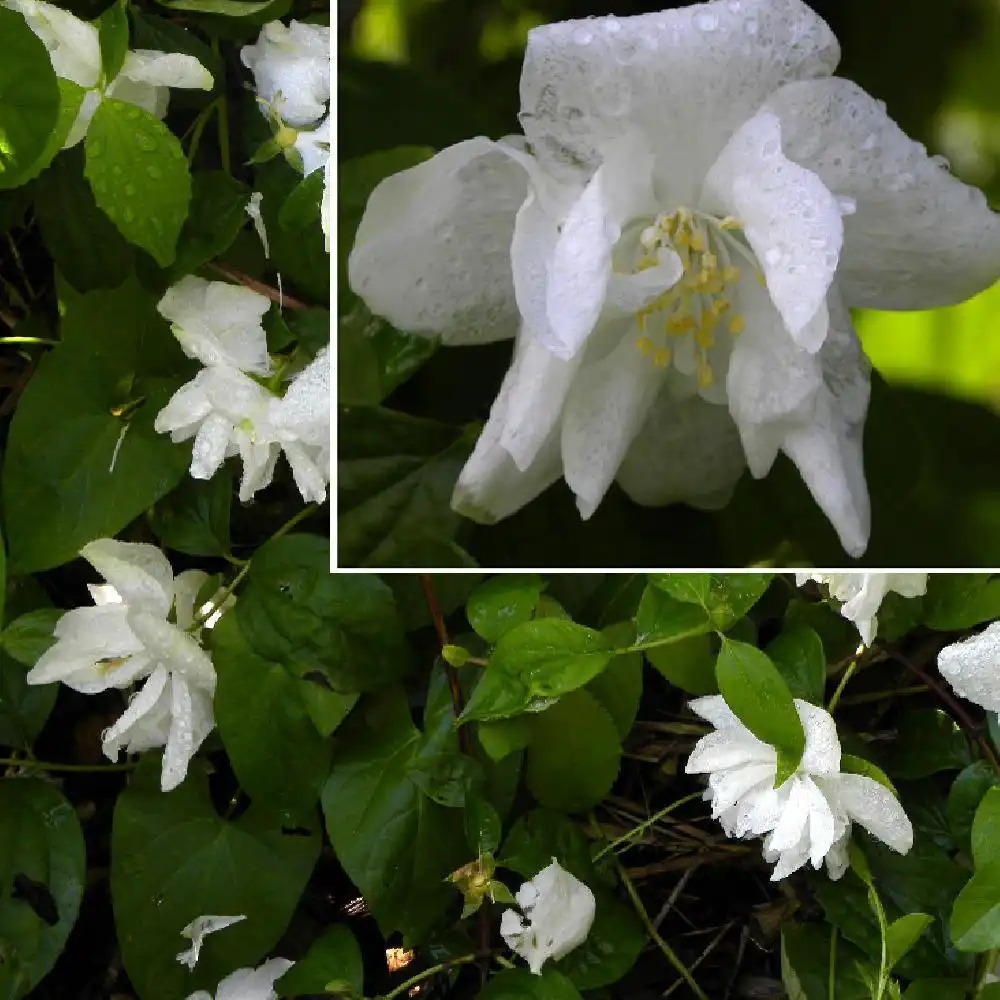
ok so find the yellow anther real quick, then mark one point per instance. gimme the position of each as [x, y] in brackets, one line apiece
[729, 223]
[698, 241]
[646, 346]
[709, 262]
[705, 374]
[731, 274]
[705, 336]
[737, 324]
[641, 316]
[720, 306]
[761, 279]
[680, 324]
[662, 356]
[108, 663]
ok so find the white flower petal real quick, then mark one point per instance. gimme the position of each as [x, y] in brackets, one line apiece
[727, 748]
[166, 69]
[432, 252]
[144, 723]
[728, 787]
[972, 667]
[822, 751]
[920, 238]
[73, 44]
[687, 450]
[139, 572]
[876, 809]
[254, 984]
[191, 720]
[186, 587]
[687, 78]
[173, 647]
[197, 930]
[790, 219]
[314, 147]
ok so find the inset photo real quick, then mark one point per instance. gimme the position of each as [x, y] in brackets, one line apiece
[676, 285]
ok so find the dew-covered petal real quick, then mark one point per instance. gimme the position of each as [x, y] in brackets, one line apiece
[876, 809]
[170, 645]
[253, 984]
[791, 220]
[197, 930]
[685, 78]
[728, 748]
[687, 450]
[140, 572]
[144, 723]
[920, 238]
[822, 750]
[191, 720]
[606, 406]
[972, 667]
[166, 69]
[433, 251]
[186, 587]
[713, 709]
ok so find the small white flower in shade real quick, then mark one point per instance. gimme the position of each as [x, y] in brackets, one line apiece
[291, 69]
[862, 594]
[74, 47]
[249, 984]
[675, 245]
[807, 819]
[972, 667]
[558, 913]
[218, 323]
[253, 210]
[301, 422]
[196, 932]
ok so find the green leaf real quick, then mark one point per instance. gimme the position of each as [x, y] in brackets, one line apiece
[139, 175]
[224, 8]
[799, 656]
[692, 588]
[574, 754]
[986, 830]
[346, 626]
[395, 844]
[661, 618]
[448, 779]
[29, 99]
[112, 27]
[74, 471]
[928, 741]
[960, 600]
[534, 662]
[805, 965]
[503, 602]
[194, 518]
[618, 688]
[504, 736]
[850, 764]
[519, 984]
[689, 663]
[216, 216]
[939, 989]
[964, 797]
[40, 841]
[29, 635]
[615, 941]
[538, 837]
[265, 725]
[334, 957]
[172, 853]
[73, 225]
[395, 479]
[902, 934]
[757, 693]
[24, 707]
[302, 207]
[975, 917]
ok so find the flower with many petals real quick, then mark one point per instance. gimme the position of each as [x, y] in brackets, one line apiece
[144, 79]
[558, 913]
[249, 984]
[863, 593]
[972, 667]
[126, 637]
[675, 244]
[808, 818]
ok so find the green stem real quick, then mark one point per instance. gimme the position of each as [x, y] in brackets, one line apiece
[28, 340]
[847, 675]
[832, 983]
[654, 934]
[646, 824]
[45, 765]
[427, 974]
[223, 121]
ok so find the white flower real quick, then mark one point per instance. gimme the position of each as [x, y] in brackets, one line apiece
[972, 667]
[291, 68]
[74, 47]
[218, 323]
[675, 244]
[558, 913]
[227, 413]
[126, 637]
[197, 930]
[249, 984]
[809, 817]
[301, 422]
[314, 147]
[863, 593]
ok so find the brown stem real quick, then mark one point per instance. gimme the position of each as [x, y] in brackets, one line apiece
[258, 286]
[973, 728]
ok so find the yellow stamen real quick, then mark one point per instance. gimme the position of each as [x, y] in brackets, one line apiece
[705, 374]
[731, 274]
[729, 223]
[645, 345]
[719, 307]
[737, 325]
[662, 356]
[680, 324]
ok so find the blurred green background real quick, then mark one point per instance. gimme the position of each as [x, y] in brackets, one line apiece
[935, 62]
[428, 73]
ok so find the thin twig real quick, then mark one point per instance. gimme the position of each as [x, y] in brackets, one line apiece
[273, 294]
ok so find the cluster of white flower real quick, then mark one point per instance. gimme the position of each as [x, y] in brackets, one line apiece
[291, 68]
[807, 818]
[74, 47]
[862, 594]
[225, 410]
[127, 637]
[675, 245]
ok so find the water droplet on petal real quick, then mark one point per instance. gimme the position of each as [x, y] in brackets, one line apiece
[583, 36]
[612, 25]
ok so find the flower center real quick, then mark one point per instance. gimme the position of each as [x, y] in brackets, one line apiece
[699, 303]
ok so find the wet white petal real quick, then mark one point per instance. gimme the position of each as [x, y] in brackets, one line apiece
[197, 930]
[972, 667]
